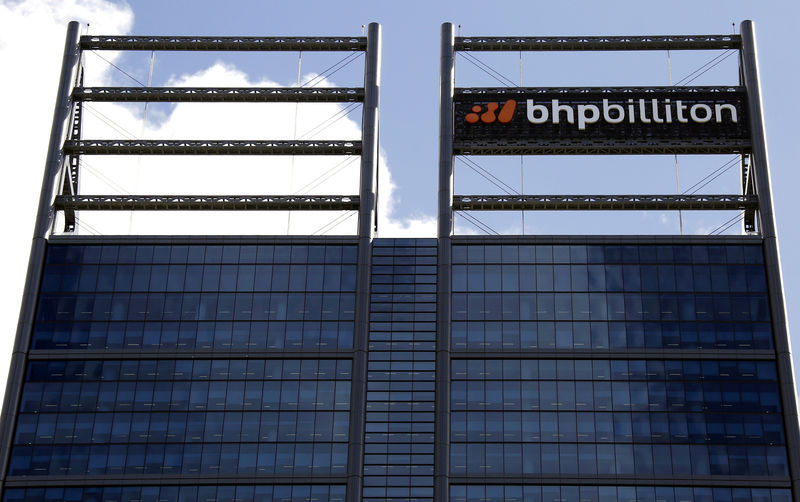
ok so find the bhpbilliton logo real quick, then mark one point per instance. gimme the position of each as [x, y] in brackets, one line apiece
[490, 115]
[644, 110]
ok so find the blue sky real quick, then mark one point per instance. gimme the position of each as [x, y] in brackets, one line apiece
[409, 95]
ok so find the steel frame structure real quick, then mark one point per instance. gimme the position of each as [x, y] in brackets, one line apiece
[220, 94]
[448, 202]
[599, 43]
[571, 146]
[463, 91]
[602, 202]
[207, 202]
[167, 43]
[210, 147]
[74, 146]
[60, 188]
[755, 200]
[597, 147]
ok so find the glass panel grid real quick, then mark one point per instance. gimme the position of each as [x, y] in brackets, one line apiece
[645, 417]
[296, 297]
[221, 493]
[195, 417]
[640, 417]
[398, 460]
[609, 297]
[186, 416]
[555, 493]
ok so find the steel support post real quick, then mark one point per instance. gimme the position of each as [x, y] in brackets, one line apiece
[44, 219]
[441, 469]
[766, 223]
[366, 229]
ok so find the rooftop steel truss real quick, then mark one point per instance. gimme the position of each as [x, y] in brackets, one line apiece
[221, 94]
[454, 142]
[603, 202]
[207, 202]
[567, 146]
[209, 147]
[160, 43]
[617, 43]
[510, 91]
[69, 200]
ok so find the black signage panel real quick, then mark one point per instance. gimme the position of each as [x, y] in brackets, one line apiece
[600, 120]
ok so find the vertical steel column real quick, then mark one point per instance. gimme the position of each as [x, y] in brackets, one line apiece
[766, 223]
[44, 219]
[369, 133]
[366, 229]
[447, 83]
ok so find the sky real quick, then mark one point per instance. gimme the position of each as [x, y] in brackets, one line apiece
[31, 43]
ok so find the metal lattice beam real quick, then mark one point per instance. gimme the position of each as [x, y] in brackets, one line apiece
[599, 147]
[203, 147]
[603, 202]
[206, 202]
[166, 43]
[618, 43]
[220, 94]
[511, 91]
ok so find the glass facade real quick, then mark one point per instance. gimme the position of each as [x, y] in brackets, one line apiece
[189, 361]
[222, 493]
[187, 416]
[533, 297]
[519, 493]
[225, 372]
[196, 297]
[649, 417]
[640, 362]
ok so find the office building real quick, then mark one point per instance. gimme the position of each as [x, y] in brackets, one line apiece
[466, 368]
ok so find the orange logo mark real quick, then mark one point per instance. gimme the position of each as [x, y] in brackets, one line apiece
[489, 116]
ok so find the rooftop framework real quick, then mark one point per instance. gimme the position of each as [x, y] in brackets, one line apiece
[220, 94]
[599, 43]
[207, 202]
[162, 43]
[70, 200]
[451, 144]
[602, 202]
[210, 147]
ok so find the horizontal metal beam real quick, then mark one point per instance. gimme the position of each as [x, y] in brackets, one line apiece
[221, 94]
[618, 43]
[597, 240]
[599, 147]
[166, 43]
[206, 202]
[94, 354]
[625, 480]
[706, 354]
[602, 202]
[473, 91]
[168, 480]
[208, 147]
